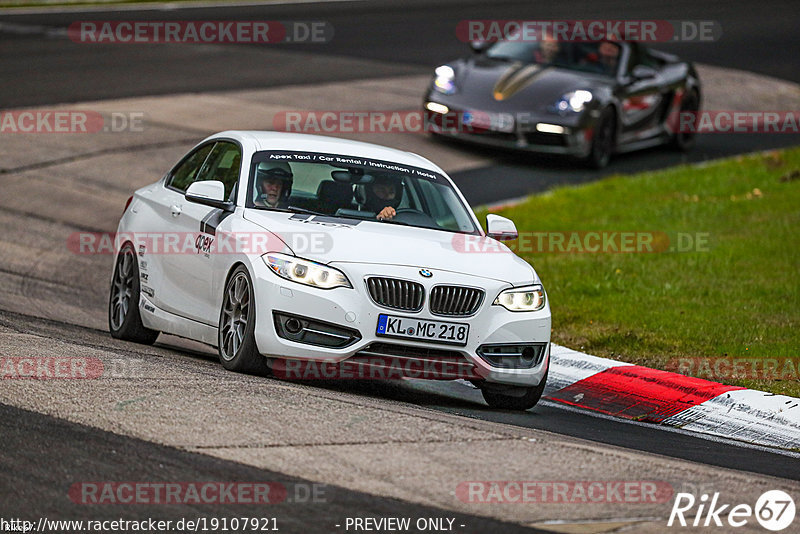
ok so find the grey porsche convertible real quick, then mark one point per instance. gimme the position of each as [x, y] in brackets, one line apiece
[588, 100]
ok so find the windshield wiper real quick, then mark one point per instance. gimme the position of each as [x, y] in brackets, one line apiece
[291, 209]
[295, 209]
[390, 221]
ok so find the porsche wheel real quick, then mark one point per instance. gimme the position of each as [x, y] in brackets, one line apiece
[514, 398]
[684, 141]
[124, 321]
[237, 319]
[603, 141]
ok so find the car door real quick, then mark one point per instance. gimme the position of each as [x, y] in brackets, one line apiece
[159, 225]
[641, 98]
[188, 271]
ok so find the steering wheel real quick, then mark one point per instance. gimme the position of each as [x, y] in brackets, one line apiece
[414, 217]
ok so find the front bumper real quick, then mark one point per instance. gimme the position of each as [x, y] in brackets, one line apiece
[522, 132]
[353, 309]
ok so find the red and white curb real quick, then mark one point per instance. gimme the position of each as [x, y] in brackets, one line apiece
[638, 393]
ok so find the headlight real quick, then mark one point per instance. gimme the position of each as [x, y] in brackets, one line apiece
[574, 100]
[516, 299]
[305, 272]
[445, 81]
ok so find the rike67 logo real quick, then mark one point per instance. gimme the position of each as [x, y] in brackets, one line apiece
[774, 510]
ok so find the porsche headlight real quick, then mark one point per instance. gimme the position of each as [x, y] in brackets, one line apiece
[574, 101]
[305, 272]
[445, 81]
[519, 299]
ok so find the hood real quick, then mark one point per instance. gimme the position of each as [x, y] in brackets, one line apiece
[500, 85]
[335, 240]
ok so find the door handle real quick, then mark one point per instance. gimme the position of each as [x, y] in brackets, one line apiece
[175, 209]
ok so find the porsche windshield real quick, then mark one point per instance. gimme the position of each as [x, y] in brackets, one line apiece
[354, 187]
[598, 57]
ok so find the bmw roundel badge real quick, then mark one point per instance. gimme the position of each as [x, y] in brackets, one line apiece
[426, 273]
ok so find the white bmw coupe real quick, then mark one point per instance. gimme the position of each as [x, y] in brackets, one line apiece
[287, 251]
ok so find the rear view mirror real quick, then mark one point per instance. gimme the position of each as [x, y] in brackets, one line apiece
[347, 177]
[500, 228]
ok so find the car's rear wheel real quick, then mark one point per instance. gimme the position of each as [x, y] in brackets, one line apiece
[685, 141]
[603, 140]
[513, 398]
[124, 320]
[237, 323]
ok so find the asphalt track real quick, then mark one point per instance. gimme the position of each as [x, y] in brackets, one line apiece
[379, 39]
[405, 38]
[85, 453]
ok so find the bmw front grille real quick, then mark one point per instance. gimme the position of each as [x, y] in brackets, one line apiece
[455, 301]
[396, 294]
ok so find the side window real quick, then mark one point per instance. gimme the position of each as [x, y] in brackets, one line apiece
[223, 164]
[185, 173]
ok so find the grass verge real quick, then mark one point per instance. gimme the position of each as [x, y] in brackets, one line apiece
[719, 296]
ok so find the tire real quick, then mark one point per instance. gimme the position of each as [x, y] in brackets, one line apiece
[527, 397]
[685, 141]
[603, 140]
[236, 342]
[124, 320]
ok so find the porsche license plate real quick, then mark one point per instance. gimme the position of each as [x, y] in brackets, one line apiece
[497, 122]
[422, 330]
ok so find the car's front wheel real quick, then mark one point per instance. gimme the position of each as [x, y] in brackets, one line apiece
[124, 320]
[513, 398]
[603, 141]
[237, 323]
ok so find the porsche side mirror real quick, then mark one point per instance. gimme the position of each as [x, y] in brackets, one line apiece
[643, 72]
[209, 193]
[479, 46]
[500, 228]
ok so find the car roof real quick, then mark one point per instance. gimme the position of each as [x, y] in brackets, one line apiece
[269, 140]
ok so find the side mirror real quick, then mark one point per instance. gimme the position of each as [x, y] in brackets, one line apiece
[209, 193]
[643, 72]
[500, 228]
[479, 46]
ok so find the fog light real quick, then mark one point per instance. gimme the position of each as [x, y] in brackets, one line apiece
[513, 356]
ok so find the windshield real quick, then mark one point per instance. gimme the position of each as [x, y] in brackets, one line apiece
[354, 187]
[601, 57]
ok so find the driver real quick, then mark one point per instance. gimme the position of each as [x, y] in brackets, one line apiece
[548, 49]
[383, 196]
[609, 56]
[273, 184]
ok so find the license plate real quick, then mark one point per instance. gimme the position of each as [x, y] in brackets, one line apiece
[498, 122]
[422, 330]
